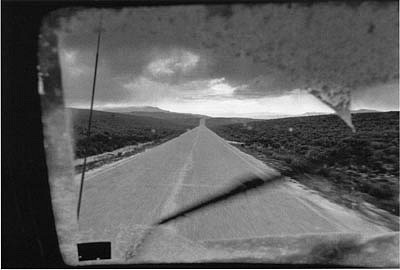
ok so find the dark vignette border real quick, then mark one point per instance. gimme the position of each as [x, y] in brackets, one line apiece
[29, 238]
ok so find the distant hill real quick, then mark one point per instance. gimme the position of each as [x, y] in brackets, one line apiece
[313, 113]
[259, 115]
[152, 112]
[269, 115]
[218, 121]
[364, 111]
[178, 118]
[134, 109]
[186, 119]
[168, 115]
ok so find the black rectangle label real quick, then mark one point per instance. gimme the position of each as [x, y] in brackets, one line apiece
[94, 251]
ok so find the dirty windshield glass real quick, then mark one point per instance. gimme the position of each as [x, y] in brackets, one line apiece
[261, 133]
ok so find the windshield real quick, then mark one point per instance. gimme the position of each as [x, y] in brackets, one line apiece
[274, 128]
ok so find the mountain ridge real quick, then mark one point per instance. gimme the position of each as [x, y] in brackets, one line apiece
[129, 109]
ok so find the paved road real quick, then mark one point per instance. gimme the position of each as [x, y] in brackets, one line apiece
[121, 201]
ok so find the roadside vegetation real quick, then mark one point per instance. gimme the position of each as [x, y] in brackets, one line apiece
[357, 167]
[111, 131]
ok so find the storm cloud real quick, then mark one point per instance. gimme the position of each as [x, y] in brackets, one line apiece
[255, 51]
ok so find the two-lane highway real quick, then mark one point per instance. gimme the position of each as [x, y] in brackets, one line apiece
[121, 201]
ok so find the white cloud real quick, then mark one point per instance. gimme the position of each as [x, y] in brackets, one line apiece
[175, 61]
[148, 90]
[143, 89]
[220, 87]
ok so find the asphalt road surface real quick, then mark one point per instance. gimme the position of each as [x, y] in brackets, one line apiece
[122, 200]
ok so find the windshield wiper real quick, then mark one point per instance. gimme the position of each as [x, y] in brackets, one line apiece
[247, 184]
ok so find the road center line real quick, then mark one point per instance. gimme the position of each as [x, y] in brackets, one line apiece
[170, 204]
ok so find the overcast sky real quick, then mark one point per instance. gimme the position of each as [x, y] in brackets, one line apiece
[233, 60]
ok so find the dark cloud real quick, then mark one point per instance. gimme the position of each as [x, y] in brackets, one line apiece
[326, 43]
[267, 50]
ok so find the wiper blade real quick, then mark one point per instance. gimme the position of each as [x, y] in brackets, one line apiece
[253, 182]
[249, 183]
